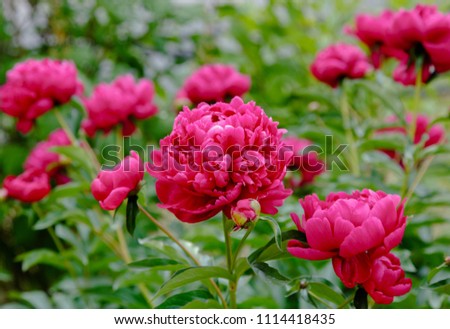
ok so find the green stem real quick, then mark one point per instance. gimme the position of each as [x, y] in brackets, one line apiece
[185, 250]
[422, 170]
[347, 301]
[415, 109]
[119, 142]
[232, 284]
[62, 122]
[241, 244]
[345, 112]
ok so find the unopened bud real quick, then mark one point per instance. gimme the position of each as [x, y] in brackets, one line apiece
[245, 212]
[447, 260]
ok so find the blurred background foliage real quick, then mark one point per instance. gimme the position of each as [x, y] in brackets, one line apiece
[165, 40]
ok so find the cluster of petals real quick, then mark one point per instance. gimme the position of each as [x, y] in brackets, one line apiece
[41, 167]
[354, 230]
[305, 161]
[112, 186]
[33, 87]
[424, 133]
[408, 35]
[217, 155]
[340, 61]
[213, 83]
[119, 104]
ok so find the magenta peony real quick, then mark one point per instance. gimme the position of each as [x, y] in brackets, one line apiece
[350, 228]
[340, 61]
[420, 32]
[30, 186]
[214, 83]
[119, 103]
[43, 159]
[305, 161]
[34, 87]
[387, 280]
[217, 155]
[113, 186]
[371, 30]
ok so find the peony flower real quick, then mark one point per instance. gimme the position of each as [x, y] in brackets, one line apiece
[30, 186]
[430, 135]
[119, 103]
[112, 187]
[371, 30]
[387, 280]
[245, 212]
[217, 155]
[43, 159]
[34, 87]
[305, 161]
[350, 228]
[422, 32]
[214, 83]
[340, 61]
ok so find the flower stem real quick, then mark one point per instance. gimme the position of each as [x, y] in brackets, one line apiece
[232, 283]
[345, 112]
[185, 250]
[123, 247]
[422, 170]
[62, 122]
[241, 243]
[415, 108]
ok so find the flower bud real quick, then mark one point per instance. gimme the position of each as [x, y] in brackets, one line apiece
[245, 211]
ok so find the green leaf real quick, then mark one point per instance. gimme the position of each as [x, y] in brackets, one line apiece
[182, 299]
[241, 266]
[443, 289]
[71, 189]
[76, 154]
[275, 252]
[323, 291]
[5, 276]
[435, 271]
[387, 143]
[276, 230]
[132, 211]
[269, 273]
[192, 274]
[53, 218]
[40, 256]
[163, 264]
[208, 304]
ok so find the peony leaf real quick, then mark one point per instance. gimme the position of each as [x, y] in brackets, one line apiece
[41, 256]
[276, 230]
[180, 300]
[321, 291]
[158, 264]
[269, 273]
[191, 275]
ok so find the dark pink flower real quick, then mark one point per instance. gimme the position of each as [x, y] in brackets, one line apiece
[387, 280]
[217, 155]
[351, 229]
[430, 135]
[30, 186]
[305, 161]
[420, 32]
[112, 187]
[34, 87]
[340, 61]
[371, 30]
[245, 211]
[214, 83]
[43, 159]
[119, 103]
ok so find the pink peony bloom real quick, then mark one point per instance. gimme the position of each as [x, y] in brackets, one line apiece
[351, 229]
[387, 280]
[245, 211]
[217, 155]
[371, 30]
[214, 83]
[43, 159]
[119, 103]
[30, 186]
[430, 135]
[34, 87]
[305, 161]
[340, 61]
[112, 187]
[420, 32]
